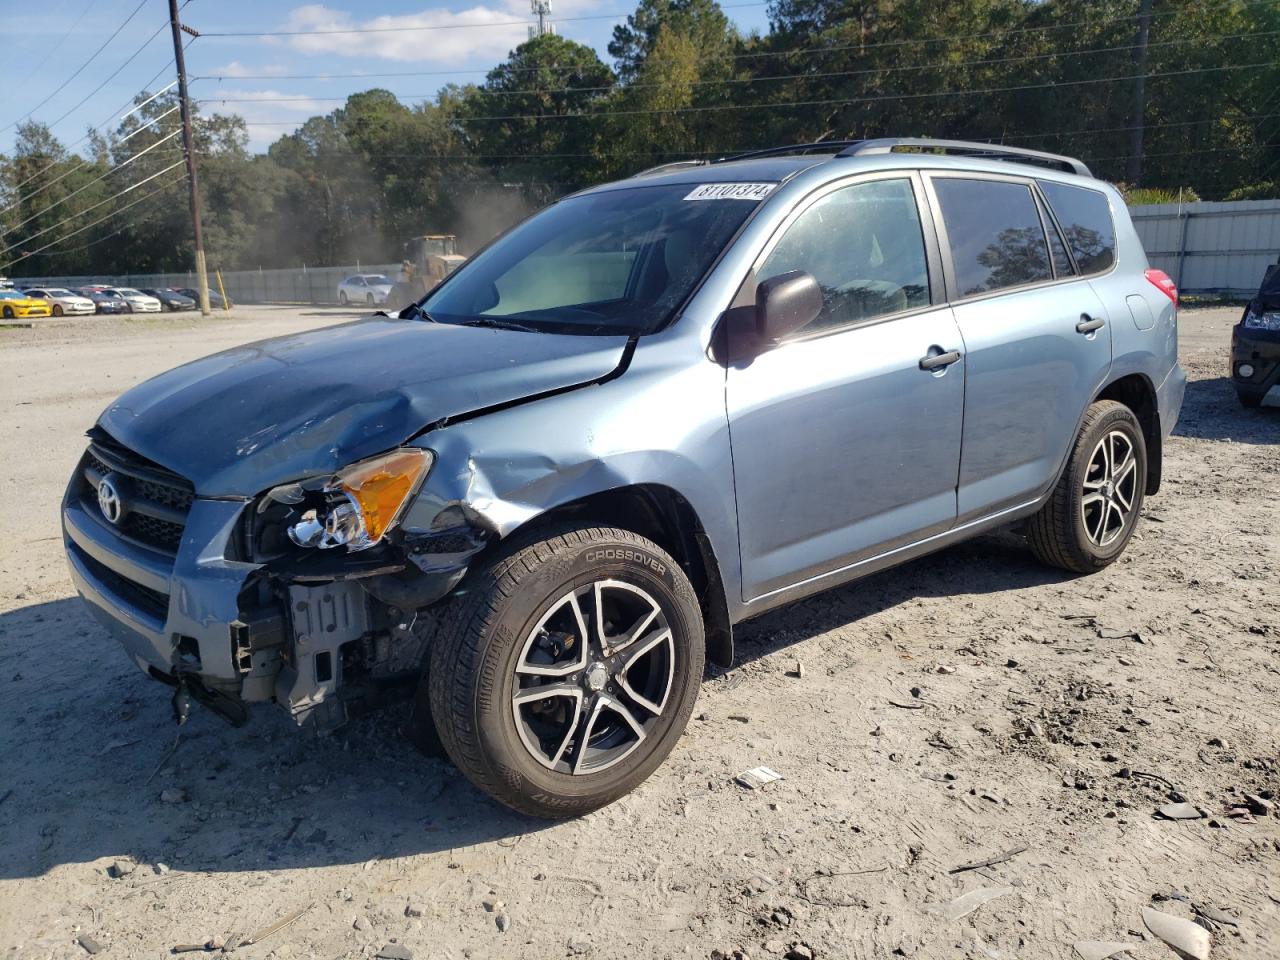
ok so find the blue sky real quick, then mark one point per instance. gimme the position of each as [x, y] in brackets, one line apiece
[470, 39]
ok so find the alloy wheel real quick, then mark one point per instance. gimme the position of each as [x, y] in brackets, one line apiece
[1110, 488]
[593, 677]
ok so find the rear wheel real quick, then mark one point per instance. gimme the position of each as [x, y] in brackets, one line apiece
[1091, 515]
[8, 313]
[565, 671]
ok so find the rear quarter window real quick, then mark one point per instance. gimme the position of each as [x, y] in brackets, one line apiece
[1085, 218]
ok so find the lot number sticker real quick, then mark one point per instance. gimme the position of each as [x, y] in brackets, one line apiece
[731, 191]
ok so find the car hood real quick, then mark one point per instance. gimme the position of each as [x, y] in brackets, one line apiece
[241, 421]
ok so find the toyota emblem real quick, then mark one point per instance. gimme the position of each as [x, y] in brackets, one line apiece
[109, 501]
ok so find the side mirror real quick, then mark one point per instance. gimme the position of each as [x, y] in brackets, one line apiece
[786, 303]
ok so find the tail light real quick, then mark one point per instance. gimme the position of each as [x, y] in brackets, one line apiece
[1164, 283]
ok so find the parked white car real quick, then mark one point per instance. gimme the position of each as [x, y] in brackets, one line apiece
[139, 301]
[63, 301]
[366, 288]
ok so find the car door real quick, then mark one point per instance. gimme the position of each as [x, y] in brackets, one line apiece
[843, 445]
[1038, 338]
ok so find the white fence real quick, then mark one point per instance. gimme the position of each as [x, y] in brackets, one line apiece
[1208, 248]
[1212, 248]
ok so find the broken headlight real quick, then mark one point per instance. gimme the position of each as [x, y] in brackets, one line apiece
[356, 506]
[1268, 320]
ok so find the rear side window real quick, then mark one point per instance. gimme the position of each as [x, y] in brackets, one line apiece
[995, 234]
[1085, 216]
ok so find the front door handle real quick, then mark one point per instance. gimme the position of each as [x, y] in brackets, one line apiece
[937, 360]
[1089, 324]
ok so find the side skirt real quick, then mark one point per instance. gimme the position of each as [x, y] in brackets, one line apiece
[891, 558]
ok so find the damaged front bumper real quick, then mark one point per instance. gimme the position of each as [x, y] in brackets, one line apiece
[168, 579]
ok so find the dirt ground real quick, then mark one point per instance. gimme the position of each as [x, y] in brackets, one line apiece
[1043, 713]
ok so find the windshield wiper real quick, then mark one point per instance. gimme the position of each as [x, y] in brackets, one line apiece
[498, 324]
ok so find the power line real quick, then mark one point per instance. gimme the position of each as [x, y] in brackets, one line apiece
[441, 26]
[79, 69]
[1092, 21]
[739, 56]
[88, 226]
[97, 128]
[146, 43]
[729, 151]
[740, 80]
[86, 186]
[100, 203]
[82, 164]
[34, 71]
[841, 101]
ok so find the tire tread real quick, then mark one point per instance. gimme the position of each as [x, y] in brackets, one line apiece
[457, 652]
[1050, 532]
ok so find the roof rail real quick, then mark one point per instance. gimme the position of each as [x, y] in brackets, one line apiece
[667, 167]
[991, 151]
[817, 146]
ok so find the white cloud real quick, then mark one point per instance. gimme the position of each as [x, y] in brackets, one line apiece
[237, 69]
[480, 31]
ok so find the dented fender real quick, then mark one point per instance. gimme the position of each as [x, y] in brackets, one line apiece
[662, 423]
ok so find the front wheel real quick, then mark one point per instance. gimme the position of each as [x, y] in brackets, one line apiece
[1090, 517]
[57, 310]
[342, 298]
[566, 669]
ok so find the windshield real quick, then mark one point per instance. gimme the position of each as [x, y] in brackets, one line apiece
[618, 262]
[377, 279]
[59, 292]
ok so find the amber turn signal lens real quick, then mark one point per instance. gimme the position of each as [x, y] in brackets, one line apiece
[381, 487]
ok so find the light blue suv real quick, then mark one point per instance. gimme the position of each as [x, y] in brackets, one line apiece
[536, 501]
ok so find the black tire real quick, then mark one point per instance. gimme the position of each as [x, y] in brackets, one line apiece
[8, 313]
[57, 310]
[490, 629]
[342, 297]
[1058, 533]
[368, 299]
[1250, 401]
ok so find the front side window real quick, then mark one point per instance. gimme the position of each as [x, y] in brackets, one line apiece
[994, 232]
[1085, 216]
[864, 246]
[617, 262]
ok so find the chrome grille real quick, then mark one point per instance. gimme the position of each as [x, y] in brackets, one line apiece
[157, 499]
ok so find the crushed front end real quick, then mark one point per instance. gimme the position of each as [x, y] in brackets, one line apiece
[228, 601]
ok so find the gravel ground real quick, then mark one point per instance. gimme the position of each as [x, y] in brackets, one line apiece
[1043, 714]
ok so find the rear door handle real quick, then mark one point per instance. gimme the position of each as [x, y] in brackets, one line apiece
[937, 360]
[1089, 324]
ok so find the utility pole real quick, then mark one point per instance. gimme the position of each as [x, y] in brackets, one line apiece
[188, 144]
[1133, 166]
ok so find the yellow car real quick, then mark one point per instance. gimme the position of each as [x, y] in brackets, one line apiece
[14, 304]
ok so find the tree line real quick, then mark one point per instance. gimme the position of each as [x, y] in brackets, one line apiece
[683, 83]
